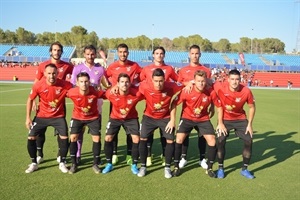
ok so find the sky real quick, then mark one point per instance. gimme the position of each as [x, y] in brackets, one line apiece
[211, 19]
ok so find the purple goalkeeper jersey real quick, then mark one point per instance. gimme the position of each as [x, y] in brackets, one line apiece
[95, 73]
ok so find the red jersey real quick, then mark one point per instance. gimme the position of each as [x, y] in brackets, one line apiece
[170, 74]
[131, 68]
[63, 69]
[123, 106]
[195, 104]
[187, 73]
[158, 101]
[85, 106]
[233, 102]
[51, 98]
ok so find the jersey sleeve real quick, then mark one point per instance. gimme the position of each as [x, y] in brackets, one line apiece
[39, 72]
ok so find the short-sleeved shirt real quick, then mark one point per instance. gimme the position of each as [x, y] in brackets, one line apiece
[96, 73]
[195, 104]
[170, 74]
[186, 73]
[51, 98]
[85, 106]
[63, 69]
[158, 101]
[132, 69]
[233, 102]
[123, 106]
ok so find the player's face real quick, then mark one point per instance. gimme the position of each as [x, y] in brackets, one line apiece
[123, 54]
[124, 84]
[194, 55]
[234, 81]
[83, 83]
[51, 75]
[89, 56]
[200, 82]
[158, 82]
[158, 55]
[56, 52]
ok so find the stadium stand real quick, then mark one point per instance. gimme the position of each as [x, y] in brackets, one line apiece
[30, 53]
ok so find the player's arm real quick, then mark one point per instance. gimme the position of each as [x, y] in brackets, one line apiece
[28, 113]
[221, 129]
[171, 124]
[251, 114]
[104, 82]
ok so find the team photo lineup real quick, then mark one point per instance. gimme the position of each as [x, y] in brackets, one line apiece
[124, 84]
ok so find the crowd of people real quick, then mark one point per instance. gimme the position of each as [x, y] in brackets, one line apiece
[124, 84]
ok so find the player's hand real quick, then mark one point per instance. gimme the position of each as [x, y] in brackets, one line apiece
[249, 130]
[28, 123]
[188, 88]
[114, 90]
[170, 127]
[221, 130]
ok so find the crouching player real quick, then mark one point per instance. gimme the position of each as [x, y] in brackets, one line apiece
[124, 114]
[195, 115]
[85, 113]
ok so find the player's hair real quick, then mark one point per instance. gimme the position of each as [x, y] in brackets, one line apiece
[160, 47]
[58, 44]
[83, 74]
[194, 46]
[90, 47]
[200, 73]
[50, 65]
[234, 72]
[123, 75]
[122, 45]
[158, 72]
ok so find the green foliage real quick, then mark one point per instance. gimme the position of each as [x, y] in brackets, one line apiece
[275, 160]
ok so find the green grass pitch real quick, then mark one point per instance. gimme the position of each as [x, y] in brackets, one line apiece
[275, 161]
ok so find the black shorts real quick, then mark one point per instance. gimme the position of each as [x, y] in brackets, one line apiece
[239, 127]
[76, 126]
[131, 126]
[203, 128]
[39, 126]
[149, 124]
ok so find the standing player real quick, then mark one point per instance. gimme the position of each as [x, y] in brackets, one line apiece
[85, 113]
[195, 115]
[233, 96]
[51, 92]
[157, 114]
[123, 65]
[186, 77]
[124, 114]
[97, 76]
[64, 71]
[158, 54]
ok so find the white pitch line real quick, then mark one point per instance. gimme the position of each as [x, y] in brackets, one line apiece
[15, 90]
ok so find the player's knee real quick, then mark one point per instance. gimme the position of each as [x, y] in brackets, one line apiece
[109, 138]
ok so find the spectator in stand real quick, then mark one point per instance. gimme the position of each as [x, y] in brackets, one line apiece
[271, 83]
[64, 71]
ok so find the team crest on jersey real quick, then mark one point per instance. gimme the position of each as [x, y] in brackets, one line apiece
[157, 106]
[124, 111]
[96, 72]
[60, 69]
[164, 94]
[204, 99]
[197, 111]
[128, 68]
[129, 101]
[237, 100]
[90, 100]
[57, 91]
